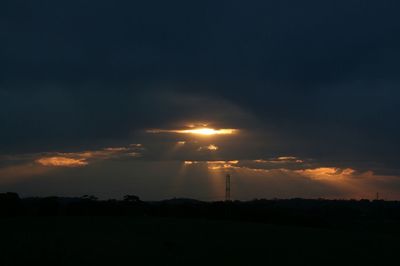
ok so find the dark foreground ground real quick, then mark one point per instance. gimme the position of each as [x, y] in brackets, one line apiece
[185, 241]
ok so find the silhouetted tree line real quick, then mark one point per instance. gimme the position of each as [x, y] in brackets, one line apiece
[355, 214]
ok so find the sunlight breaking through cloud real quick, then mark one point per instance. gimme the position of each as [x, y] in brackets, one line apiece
[214, 165]
[196, 131]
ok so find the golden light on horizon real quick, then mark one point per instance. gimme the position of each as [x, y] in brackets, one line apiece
[203, 131]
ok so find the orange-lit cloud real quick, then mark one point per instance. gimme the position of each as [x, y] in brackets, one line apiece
[194, 125]
[118, 149]
[220, 162]
[84, 158]
[327, 173]
[280, 160]
[313, 182]
[30, 165]
[134, 154]
[210, 147]
[62, 162]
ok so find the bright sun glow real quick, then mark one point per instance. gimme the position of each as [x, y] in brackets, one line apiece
[209, 131]
[205, 131]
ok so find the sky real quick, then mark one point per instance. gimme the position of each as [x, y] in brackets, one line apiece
[162, 99]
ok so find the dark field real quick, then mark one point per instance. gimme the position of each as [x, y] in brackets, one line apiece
[184, 241]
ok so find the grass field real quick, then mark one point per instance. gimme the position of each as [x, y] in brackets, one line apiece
[170, 241]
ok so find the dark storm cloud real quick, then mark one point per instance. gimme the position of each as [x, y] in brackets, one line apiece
[313, 79]
[288, 42]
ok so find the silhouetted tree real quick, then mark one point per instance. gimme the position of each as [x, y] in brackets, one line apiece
[89, 197]
[10, 204]
[132, 199]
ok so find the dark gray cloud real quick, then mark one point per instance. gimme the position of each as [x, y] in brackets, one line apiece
[312, 79]
[285, 42]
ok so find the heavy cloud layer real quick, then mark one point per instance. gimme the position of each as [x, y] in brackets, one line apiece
[317, 80]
